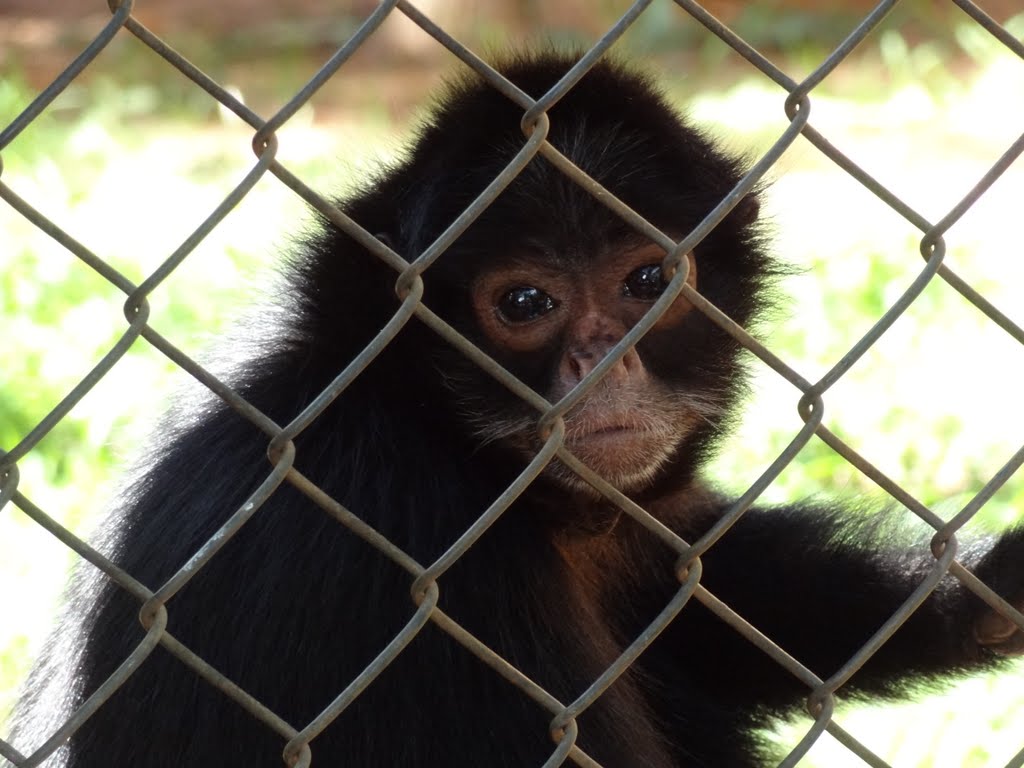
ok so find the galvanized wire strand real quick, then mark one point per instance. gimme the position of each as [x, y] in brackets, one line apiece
[894, 622]
[11, 754]
[119, 576]
[985, 593]
[567, 739]
[136, 312]
[585, 64]
[997, 481]
[40, 221]
[493, 512]
[100, 696]
[500, 83]
[482, 359]
[623, 502]
[232, 690]
[153, 616]
[342, 55]
[838, 55]
[67, 76]
[882, 480]
[991, 26]
[737, 43]
[193, 73]
[618, 351]
[481, 202]
[751, 633]
[9, 478]
[943, 534]
[625, 660]
[883, 324]
[359, 363]
[340, 219]
[674, 259]
[230, 527]
[843, 737]
[199, 233]
[354, 523]
[368, 675]
[411, 273]
[974, 194]
[79, 391]
[821, 723]
[743, 503]
[945, 272]
[824, 704]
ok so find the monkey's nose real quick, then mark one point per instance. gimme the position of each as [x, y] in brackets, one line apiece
[579, 363]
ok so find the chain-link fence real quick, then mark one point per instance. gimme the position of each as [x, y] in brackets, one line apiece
[427, 581]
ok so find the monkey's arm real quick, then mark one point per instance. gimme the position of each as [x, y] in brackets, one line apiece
[818, 583]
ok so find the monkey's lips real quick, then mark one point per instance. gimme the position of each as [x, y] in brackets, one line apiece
[613, 431]
[584, 427]
[607, 436]
[623, 450]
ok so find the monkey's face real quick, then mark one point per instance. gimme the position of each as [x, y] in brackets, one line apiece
[553, 324]
[547, 280]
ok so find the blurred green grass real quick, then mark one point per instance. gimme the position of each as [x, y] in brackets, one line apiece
[934, 404]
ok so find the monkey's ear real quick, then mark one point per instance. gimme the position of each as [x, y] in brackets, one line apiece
[746, 210]
[388, 241]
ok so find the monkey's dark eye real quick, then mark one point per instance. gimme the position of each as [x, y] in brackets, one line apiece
[525, 303]
[645, 283]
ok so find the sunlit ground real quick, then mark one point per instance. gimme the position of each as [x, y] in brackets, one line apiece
[934, 405]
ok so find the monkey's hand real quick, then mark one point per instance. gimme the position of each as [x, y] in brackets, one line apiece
[998, 634]
[1002, 568]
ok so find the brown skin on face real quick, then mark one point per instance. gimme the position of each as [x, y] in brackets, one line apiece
[629, 423]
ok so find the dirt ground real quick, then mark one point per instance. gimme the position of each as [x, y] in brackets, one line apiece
[253, 37]
[30, 25]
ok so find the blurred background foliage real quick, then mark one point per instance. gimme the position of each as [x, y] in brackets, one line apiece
[132, 156]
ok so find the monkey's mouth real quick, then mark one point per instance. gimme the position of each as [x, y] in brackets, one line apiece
[626, 438]
[619, 447]
[624, 454]
[612, 432]
[616, 426]
[608, 437]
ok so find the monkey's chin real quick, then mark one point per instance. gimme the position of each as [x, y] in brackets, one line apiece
[627, 458]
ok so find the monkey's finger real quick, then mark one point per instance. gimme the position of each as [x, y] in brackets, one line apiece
[997, 633]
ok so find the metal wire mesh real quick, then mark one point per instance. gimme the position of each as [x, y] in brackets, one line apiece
[425, 578]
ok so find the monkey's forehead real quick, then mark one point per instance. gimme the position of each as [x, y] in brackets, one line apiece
[612, 99]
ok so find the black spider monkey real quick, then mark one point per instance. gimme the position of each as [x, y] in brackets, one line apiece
[546, 281]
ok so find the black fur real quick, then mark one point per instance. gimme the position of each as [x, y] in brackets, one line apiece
[295, 606]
